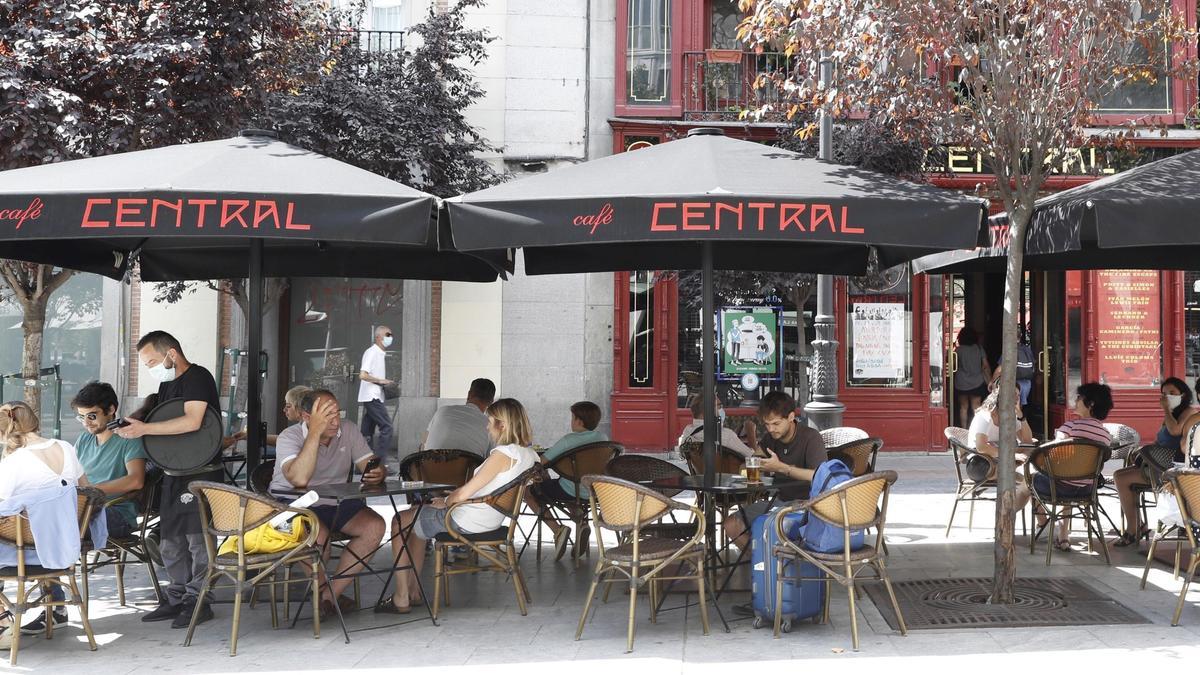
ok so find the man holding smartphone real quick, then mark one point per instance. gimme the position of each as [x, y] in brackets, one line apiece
[322, 451]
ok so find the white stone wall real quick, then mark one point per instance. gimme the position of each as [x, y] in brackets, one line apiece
[188, 321]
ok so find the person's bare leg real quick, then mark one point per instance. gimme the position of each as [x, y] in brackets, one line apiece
[401, 521]
[547, 518]
[964, 410]
[366, 531]
[735, 529]
[1125, 479]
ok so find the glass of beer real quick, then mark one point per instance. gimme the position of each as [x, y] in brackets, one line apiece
[754, 469]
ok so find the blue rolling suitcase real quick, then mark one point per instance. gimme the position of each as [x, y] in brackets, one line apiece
[800, 600]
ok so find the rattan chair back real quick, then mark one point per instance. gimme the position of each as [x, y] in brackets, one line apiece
[855, 504]
[507, 498]
[728, 461]
[859, 455]
[260, 477]
[1186, 485]
[957, 436]
[228, 511]
[445, 465]
[1070, 459]
[842, 435]
[16, 531]
[640, 468]
[589, 458]
[623, 506]
[1125, 439]
[1154, 460]
[1187, 435]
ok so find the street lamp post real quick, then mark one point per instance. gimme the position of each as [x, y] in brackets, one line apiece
[823, 409]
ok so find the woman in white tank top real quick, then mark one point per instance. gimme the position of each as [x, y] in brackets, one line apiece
[31, 462]
[510, 431]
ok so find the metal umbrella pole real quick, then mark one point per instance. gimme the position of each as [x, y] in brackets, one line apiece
[254, 435]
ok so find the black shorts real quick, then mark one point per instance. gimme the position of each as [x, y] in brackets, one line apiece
[981, 391]
[333, 516]
[551, 490]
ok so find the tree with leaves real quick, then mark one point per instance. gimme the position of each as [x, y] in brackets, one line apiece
[1025, 81]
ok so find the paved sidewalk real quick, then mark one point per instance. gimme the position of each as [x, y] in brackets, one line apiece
[482, 631]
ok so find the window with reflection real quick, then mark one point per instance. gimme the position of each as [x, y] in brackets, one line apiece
[879, 330]
[1146, 86]
[641, 328]
[648, 53]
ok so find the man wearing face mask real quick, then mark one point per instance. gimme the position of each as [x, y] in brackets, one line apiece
[182, 543]
[372, 378]
[694, 432]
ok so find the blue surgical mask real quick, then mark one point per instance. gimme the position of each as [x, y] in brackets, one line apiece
[387, 341]
[721, 416]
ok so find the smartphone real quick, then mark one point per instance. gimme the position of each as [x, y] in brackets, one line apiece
[117, 424]
[372, 464]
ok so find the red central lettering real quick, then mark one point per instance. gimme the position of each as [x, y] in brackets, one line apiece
[201, 204]
[789, 214]
[87, 213]
[265, 209]
[656, 226]
[693, 210]
[289, 225]
[129, 207]
[761, 207]
[847, 229]
[820, 213]
[227, 216]
[176, 206]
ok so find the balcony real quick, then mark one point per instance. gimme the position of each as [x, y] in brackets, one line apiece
[718, 84]
[371, 40]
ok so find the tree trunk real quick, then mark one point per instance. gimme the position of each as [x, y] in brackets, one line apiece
[33, 325]
[1005, 572]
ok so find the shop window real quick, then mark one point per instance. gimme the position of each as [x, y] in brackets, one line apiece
[723, 23]
[641, 329]
[879, 330]
[1151, 91]
[1191, 323]
[648, 53]
[1129, 328]
[937, 346]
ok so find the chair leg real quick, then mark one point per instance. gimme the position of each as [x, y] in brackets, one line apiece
[439, 570]
[121, 578]
[587, 605]
[953, 509]
[83, 577]
[699, 564]
[853, 610]
[633, 586]
[273, 581]
[970, 520]
[15, 627]
[1099, 533]
[316, 603]
[237, 610]
[517, 580]
[653, 600]
[1187, 580]
[1150, 556]
[1051, 522]
[287, 591]
[887, 583]
[208, 577]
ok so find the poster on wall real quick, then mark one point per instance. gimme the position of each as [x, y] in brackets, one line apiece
[749, 340]
[878, 340]
[1129, 323]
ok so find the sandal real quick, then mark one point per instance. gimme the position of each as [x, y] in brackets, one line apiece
[387, 606]
[1128, 539]
[1062, 544]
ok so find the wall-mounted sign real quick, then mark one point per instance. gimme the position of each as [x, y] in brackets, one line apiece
[879, 350]
[1129, 320]
[749, 339]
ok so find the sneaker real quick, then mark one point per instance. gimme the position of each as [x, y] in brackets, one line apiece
[38, 625]
[560, 542]
[163, 612]
[581, 541]
[185, 614]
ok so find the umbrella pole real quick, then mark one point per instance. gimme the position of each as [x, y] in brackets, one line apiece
[708, 346]
[254, 439]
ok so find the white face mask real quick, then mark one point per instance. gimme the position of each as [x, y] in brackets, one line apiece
[161, 372]
[387, 341]
[1174, 400]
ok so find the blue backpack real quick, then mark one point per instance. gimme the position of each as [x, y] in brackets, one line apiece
[817, 534]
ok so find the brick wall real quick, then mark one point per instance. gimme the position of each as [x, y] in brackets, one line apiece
[225, 309]
[135, 333]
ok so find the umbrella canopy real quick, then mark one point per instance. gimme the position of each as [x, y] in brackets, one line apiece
[189, 211]
[763, 208]
[1138, 219]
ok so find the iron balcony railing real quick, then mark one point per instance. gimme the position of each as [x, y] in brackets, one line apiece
[718, 84]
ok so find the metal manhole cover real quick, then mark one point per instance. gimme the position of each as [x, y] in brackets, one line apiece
[962, 603]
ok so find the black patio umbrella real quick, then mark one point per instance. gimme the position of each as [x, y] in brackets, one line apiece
[705, 202]
[1143, 218]
[244, 207]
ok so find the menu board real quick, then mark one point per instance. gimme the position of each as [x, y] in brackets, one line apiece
[1129, 318]
[878, 340]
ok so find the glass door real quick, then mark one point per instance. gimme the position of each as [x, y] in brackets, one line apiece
[332, 322]
[1049, 342]
[952, 319]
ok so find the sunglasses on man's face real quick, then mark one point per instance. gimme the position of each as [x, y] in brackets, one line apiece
[91, 417]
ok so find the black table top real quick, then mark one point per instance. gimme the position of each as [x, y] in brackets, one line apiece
[356, 490]
[723, 483]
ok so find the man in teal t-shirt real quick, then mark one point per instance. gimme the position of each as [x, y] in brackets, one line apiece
[585, 417]
[113, 464]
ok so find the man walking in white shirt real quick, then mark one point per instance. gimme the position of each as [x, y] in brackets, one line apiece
[372, 378]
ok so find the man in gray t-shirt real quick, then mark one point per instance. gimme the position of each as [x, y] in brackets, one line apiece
[463, 427]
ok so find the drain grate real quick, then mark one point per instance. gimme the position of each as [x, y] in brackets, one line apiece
[962, 603]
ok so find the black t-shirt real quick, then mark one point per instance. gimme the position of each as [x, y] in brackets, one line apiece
[806, 451]
[180, 511]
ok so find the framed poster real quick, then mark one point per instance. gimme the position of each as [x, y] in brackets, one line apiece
[749, 342]
[879, 340]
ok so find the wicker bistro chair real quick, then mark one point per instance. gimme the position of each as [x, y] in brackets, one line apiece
[15, 530]
[728, 461]
[643, 469]
[494, 551]
[1070, 459]
[446, 466]
[118, 551]
[857, 504]
[976, 475]
[1185, 484]
[1155, 461]
[841, 435]
[226, 511]
[1125, 439]
[260, 477]
[858, 454]
[627, 508]
[573, 465]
